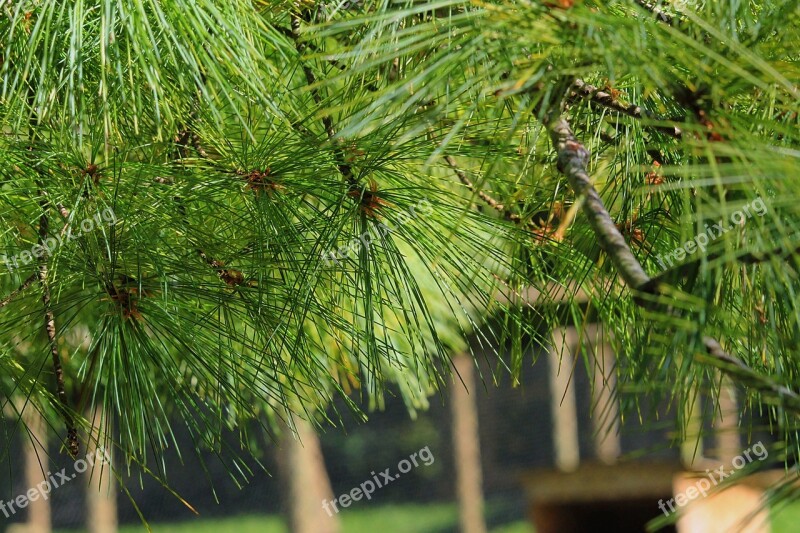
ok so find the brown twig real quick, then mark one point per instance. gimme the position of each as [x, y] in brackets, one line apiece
[660, 15]
[13, 294]
[341, 162]
[491, 202]
[52, 338]
[542, 232]
[49, 317]
[63, 211]
[231, 277]
[581, 89]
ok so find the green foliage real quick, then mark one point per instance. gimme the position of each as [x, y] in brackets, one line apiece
[195, 140]
[238, 144]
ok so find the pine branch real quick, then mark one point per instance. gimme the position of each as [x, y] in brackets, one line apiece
[341, 163]
[581, 89]
[748, 258]
[52, 336]
[754, 258]
[749, 377]
[540, 232]
[660, 15]
[291, 35]
[573, 159]
[13, 294]
[49, 317]
[491, 202]
[230, 276]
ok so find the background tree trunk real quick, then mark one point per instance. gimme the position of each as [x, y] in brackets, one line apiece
[101, 491]
[466, 444]
[605, 409]
[36, 461]
[727, 436]
[563, 403]
[304, 474]
[692, 445]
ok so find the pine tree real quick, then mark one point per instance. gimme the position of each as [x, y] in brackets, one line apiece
[256, 207]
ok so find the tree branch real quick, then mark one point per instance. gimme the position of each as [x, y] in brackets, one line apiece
[660, 15]
[52, 338]
[494, 204]
[13, 294]
[49, 317]
[687, 268]
[291, 35]
[341, 163]
[581, 89]
[572, 162]
[749, 377]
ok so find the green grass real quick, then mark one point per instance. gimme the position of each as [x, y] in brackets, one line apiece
[399, 518]
[239, 524]
[385, 518]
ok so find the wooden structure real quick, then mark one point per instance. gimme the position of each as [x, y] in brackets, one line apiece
[624, 496]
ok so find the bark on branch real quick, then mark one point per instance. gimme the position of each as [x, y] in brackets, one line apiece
[19, 290]
[341, 161]
[582, 89]
[660, 15]
[491, 202]
[573, 159]
[52, 338]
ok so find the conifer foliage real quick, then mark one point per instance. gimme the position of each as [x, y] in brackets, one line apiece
[214, 212]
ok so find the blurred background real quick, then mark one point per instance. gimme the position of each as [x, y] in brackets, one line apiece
[499, 456]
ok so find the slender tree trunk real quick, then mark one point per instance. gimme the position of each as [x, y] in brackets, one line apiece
[562, 399]
[605, 409]
[466, 444]
[101, 491]
[692, 444]
[727, 437]
[36, 461]
[308, 486]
